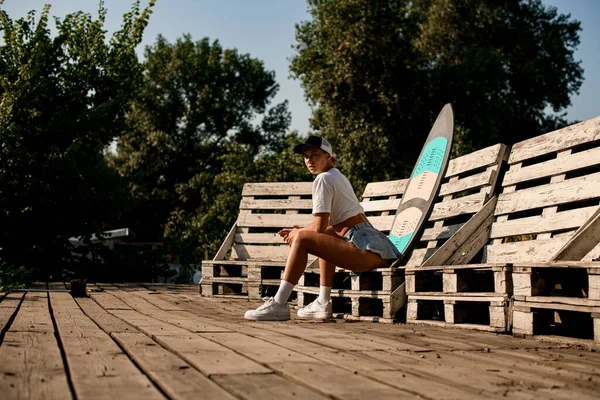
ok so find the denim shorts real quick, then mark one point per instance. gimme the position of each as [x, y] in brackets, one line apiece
[365, 237]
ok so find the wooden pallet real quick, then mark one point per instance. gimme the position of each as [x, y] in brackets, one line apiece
[458, 227]
[485, 312]
[549, 211]
[557, 298]
[253, 255]
[355, 305]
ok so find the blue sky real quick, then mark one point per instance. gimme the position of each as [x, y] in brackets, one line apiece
[265, 29]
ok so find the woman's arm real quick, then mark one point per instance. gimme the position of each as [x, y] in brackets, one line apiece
[319, 224]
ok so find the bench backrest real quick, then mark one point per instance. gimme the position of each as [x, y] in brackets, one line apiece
[468, 184]
[266, 208]
[551, 188]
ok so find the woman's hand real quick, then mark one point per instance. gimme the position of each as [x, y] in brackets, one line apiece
[289, 234]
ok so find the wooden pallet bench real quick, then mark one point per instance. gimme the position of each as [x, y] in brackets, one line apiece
[548, 210]
[464, 202]
[252, 257]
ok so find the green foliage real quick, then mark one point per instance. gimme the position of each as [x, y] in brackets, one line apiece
[378, 73]
[62, 101]
[201, 107]
[12, 277]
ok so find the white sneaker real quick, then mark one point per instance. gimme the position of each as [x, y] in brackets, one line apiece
[316, 310]
[270, 311]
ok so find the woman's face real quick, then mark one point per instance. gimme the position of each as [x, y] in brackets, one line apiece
[316, 160]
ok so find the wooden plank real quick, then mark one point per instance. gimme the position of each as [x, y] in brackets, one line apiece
[208, 357]
[109, 302]
[552, 194]
[94, 358]
[463, 205]
[107, 322]
[383, 223]
[277, 189]
[570, 219]
[458, 243]
[582, 242]
[477, 159]
[553, 167]
[528, 251]
[8, 307]
[386, 188]
[586, 131]
[340, 383]
[175, 377]
[274, 220]
[258, 238]
[226, 245]
[34, 315]
[265, 386]
[276, 204]
[35, 369]
[257, 253]
[475, 181]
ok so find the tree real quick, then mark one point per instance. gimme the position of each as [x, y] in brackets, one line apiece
[198, 102]
[377, 74]
[62, 101]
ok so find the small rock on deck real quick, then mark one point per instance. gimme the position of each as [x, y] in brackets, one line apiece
[165, 341]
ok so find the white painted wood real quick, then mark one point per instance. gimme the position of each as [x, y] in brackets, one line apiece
[575, 161]
[460, 240]
[561, 139]
[576, 189]
[226, 245]
[274, 220]
[571, 219]
[498, 317]
[463, 205]
[583, 241]
[386, 188]
[471, 182]
[477, 159]
[522, 322]
[258, 238]
[277, 189]
[521, 284]
[276, 204]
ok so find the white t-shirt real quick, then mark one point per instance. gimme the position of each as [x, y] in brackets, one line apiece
[332, 193]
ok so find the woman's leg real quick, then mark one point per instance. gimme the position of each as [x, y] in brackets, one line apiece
[332, 250]
[327, 269]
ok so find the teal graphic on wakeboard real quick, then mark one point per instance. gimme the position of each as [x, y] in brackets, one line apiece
[425, 181]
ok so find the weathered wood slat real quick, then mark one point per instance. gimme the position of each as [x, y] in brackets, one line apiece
[583, 241]
[477, 159]
[387, 188]
[383, 223]
[561, 139]
[277, 189]
[174, 376]
[34, 315]
[32, 367]
[570, 219]
[8, 307]
[529, 251]
[463, 205]
[277, 204]
[552, 194]
[267, 253]
[258, 238]
[274, 220]
[94, 359]
[471, 182]
[557, 166]
[265, 386]
[467, 242]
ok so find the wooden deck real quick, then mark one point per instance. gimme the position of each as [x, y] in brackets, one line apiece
[165, 341]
